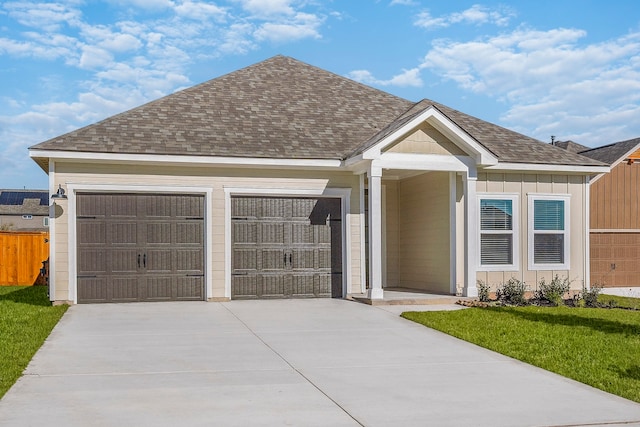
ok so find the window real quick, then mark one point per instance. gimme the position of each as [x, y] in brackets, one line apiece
[548, 232]
[45, 221]
[498, 232]
[27, 216]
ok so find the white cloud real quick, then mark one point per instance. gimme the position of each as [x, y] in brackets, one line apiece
[268, 8]
[403, 2]
[303, 25]
[550, 80]
[200, 11]
[45, 16]
[408, 78]
[475, 15]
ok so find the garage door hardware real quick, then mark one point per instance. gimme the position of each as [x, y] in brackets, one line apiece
[144, 260]
[285, 259]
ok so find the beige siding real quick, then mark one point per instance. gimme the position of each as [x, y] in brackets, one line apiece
[426, 140]
[424, 232]
[531, 184]
[215, 179]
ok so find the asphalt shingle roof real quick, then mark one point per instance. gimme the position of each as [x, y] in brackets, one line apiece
[283, 108]
[611, 153]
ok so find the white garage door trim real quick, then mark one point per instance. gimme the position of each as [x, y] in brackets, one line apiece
[344, 194]
[73, 188]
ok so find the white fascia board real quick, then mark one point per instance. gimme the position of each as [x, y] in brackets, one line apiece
[176, 160]
[445, 126]
[425, 162]
[534, 167]
[617, 162]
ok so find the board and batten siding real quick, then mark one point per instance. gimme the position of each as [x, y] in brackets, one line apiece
[524, 184]
[615, 227]
[216, 179]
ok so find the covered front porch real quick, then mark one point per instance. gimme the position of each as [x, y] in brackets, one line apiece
[418, 195]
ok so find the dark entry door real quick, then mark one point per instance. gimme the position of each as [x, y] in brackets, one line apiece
[138, 247]
[286, 247]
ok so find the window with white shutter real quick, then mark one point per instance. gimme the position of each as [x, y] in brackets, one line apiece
[548, 232]
[498, 232]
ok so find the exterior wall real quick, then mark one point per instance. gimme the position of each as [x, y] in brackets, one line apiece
[615, 227]
[16, 222]
[615, 201]
[215, 179]
[531, 184]
[424, 232]
[426, 140]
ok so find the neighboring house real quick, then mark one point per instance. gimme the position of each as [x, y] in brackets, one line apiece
[284, 180]
[24, 210]
[615, 218]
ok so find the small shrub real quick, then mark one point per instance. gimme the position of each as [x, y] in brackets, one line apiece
[553, 291]
[512, 292]
[589, 297]
[483, 291]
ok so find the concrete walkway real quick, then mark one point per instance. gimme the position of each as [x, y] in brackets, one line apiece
[270, 363]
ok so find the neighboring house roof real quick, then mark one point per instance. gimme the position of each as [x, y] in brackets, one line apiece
[571, 146]
[24, 202]
[612, 153]
[283, 108]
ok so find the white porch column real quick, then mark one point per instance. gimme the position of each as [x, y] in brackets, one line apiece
[471, 232]
[374, 174]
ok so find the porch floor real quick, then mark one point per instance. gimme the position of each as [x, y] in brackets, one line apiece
[404, 296]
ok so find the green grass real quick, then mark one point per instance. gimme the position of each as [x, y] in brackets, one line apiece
[26, 319]
[621, 302]
[599, 347]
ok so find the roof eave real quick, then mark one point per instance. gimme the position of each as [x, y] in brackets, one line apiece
[182, 160]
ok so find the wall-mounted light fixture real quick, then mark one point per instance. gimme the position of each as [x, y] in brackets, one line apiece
[59, 194]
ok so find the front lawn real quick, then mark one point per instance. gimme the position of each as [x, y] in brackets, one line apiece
[26, 319]
[599, 347]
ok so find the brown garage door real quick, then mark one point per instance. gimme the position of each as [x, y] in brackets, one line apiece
[286, 247]
[138, 247]
[614, 259]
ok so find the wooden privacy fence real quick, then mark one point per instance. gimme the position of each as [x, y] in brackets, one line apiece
[21, 257]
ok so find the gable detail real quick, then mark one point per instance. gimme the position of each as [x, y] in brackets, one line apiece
[426, 140]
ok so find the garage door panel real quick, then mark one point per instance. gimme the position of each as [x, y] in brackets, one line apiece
[95, 232]
[190, 288]
[123, 233]
[272, 233]
[271, 259]
[244, 286]
[286, 247]
[158, 261]
[123, 206]
[275, 286]
[189, 233]
[123, 261]
[92, 261]
[159, 288]
[123, 289]
[303, 259]
[245, 259]
[158, 233]
[134, 247]
[188, 261]
[92, 289]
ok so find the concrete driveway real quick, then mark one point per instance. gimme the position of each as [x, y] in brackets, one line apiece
[299, 363]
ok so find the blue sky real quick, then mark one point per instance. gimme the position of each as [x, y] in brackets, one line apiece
[564, 68]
